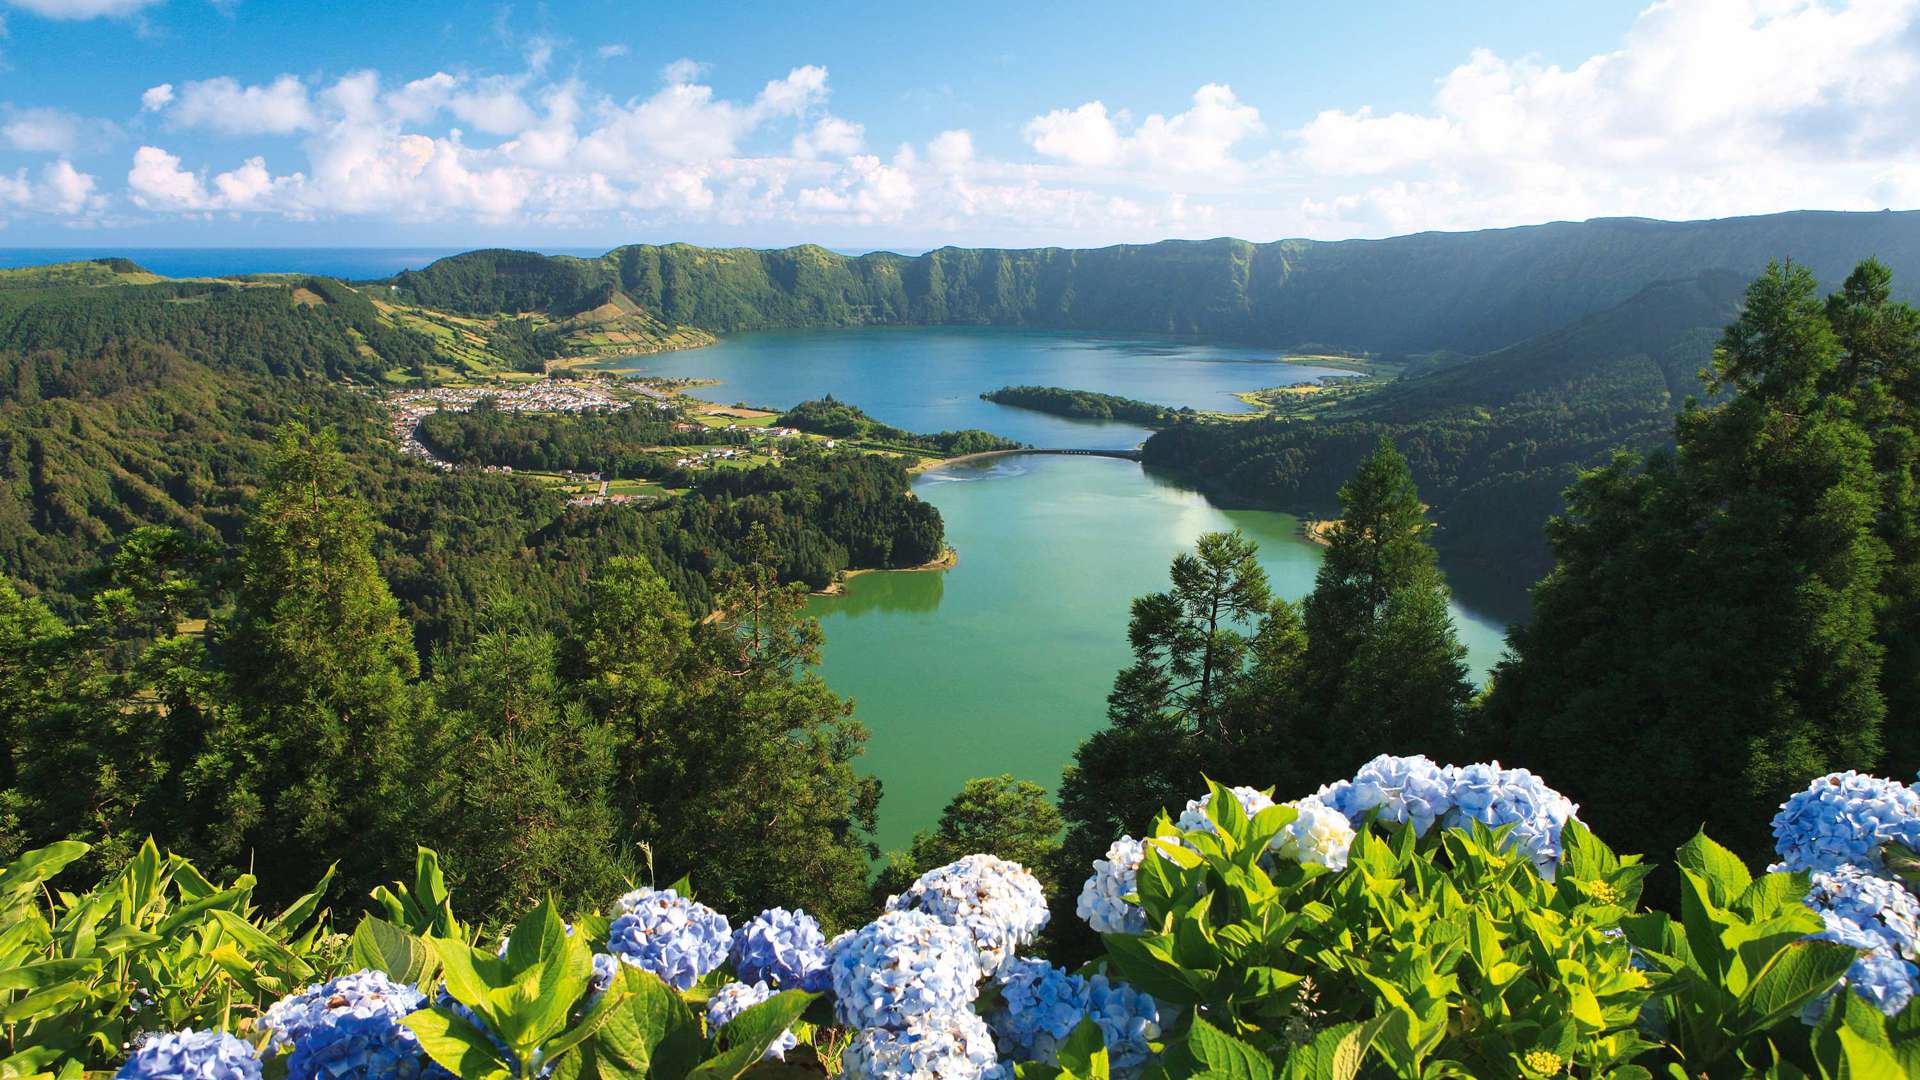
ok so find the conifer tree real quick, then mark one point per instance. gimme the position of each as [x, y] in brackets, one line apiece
[1707, 641]
[1383, 670]
[309, 766]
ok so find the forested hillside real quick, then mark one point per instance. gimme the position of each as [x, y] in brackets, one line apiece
[1492, 441]
[1463, 292]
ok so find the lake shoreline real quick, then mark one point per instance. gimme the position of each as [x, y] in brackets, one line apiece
[949, 558]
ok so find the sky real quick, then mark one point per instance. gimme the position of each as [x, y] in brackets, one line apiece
[908, 126]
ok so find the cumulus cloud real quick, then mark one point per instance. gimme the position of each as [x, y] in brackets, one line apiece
[950, 150]
[225, 106]
[57, 189]
[82, 9]
[53, 131]
[829, 137]
[1197, 140]
[156, 98]
[1708, 108]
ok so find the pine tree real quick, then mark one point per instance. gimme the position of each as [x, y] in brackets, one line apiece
[307, 769]
[1383, 670]
[1706, 643]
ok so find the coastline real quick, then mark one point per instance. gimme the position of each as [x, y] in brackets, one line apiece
[1315, 531]
[948, 559]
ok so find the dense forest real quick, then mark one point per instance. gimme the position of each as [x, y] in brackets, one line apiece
[843, 421]
[1466, 293]
[1086, 405]
[623, 444]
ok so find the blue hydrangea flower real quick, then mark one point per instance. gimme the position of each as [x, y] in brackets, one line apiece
[1877, 905]
[997, 902]
[1402, 788]
[1878, 975]
[1843, 818]
[1129, 1019]
[665, 933]
[1319, 836]
[737, 997]
[941, 1046]
[191, 1055]
[1103, 899]
[1494, 797]
[349, 1029]
[1040, 1005]
[1195, 815]
[784, 949]
[901, 966]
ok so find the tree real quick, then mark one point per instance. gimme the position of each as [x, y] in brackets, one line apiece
[320, 663]
[998, 815]
[520, 795]
[736, 765]
[1706, 642]
[1383, 669]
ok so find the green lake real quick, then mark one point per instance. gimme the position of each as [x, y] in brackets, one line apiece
[1003, 663]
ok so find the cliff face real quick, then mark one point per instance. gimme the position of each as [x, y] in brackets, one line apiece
[1466, 292]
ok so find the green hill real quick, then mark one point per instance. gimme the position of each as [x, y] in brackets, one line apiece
[1492, 441]
[1469, 292]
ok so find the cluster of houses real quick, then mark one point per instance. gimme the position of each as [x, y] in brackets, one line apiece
[409, 406]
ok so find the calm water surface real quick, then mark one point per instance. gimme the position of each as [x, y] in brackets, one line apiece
[1003, 663]
[931, 378]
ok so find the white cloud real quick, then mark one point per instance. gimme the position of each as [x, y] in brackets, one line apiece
[82, 9]
[158, 182]
[1709, 108]
[225, 106]
[683, 70]
[612, 50]
[156, 98]
[1083, 136]
[830, 137]
[950, 150]
[1198, 140]
[42, 131]
[60, 189]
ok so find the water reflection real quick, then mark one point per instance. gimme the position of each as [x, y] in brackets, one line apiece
[889, 593]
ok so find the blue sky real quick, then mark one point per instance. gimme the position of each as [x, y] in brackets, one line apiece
[158, 122]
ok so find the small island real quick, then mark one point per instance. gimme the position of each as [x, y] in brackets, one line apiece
[1088, 405]
[839, 420]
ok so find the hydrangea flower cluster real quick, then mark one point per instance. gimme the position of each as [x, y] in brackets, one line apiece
[1402, 788]
[901, 967]
[737, 997]
[1494, 797]
[784, 949]
[665, 933]
[349, 1029]
[1195, 815]
[944, 1046]
[1319, 836]
[997, 902]
[191, 1055]
[1040, 1005]
[1128, 1018]
[1843, 818]
[1878, 975]
[1103, 899]
[1881, 907]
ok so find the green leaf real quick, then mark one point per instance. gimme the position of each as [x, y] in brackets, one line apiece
[651, 1036]
[1726, 876]
[1797, 974]
[457, 1045]
[1867, 1060]
[1225, 1056]
[1084, 1053]
[749, 1035]
[386, 948]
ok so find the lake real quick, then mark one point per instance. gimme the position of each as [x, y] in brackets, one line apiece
[1003, 663]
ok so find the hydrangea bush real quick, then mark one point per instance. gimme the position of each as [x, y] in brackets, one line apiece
[1415, 919]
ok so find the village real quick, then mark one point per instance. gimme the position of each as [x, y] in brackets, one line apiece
[766, 439]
